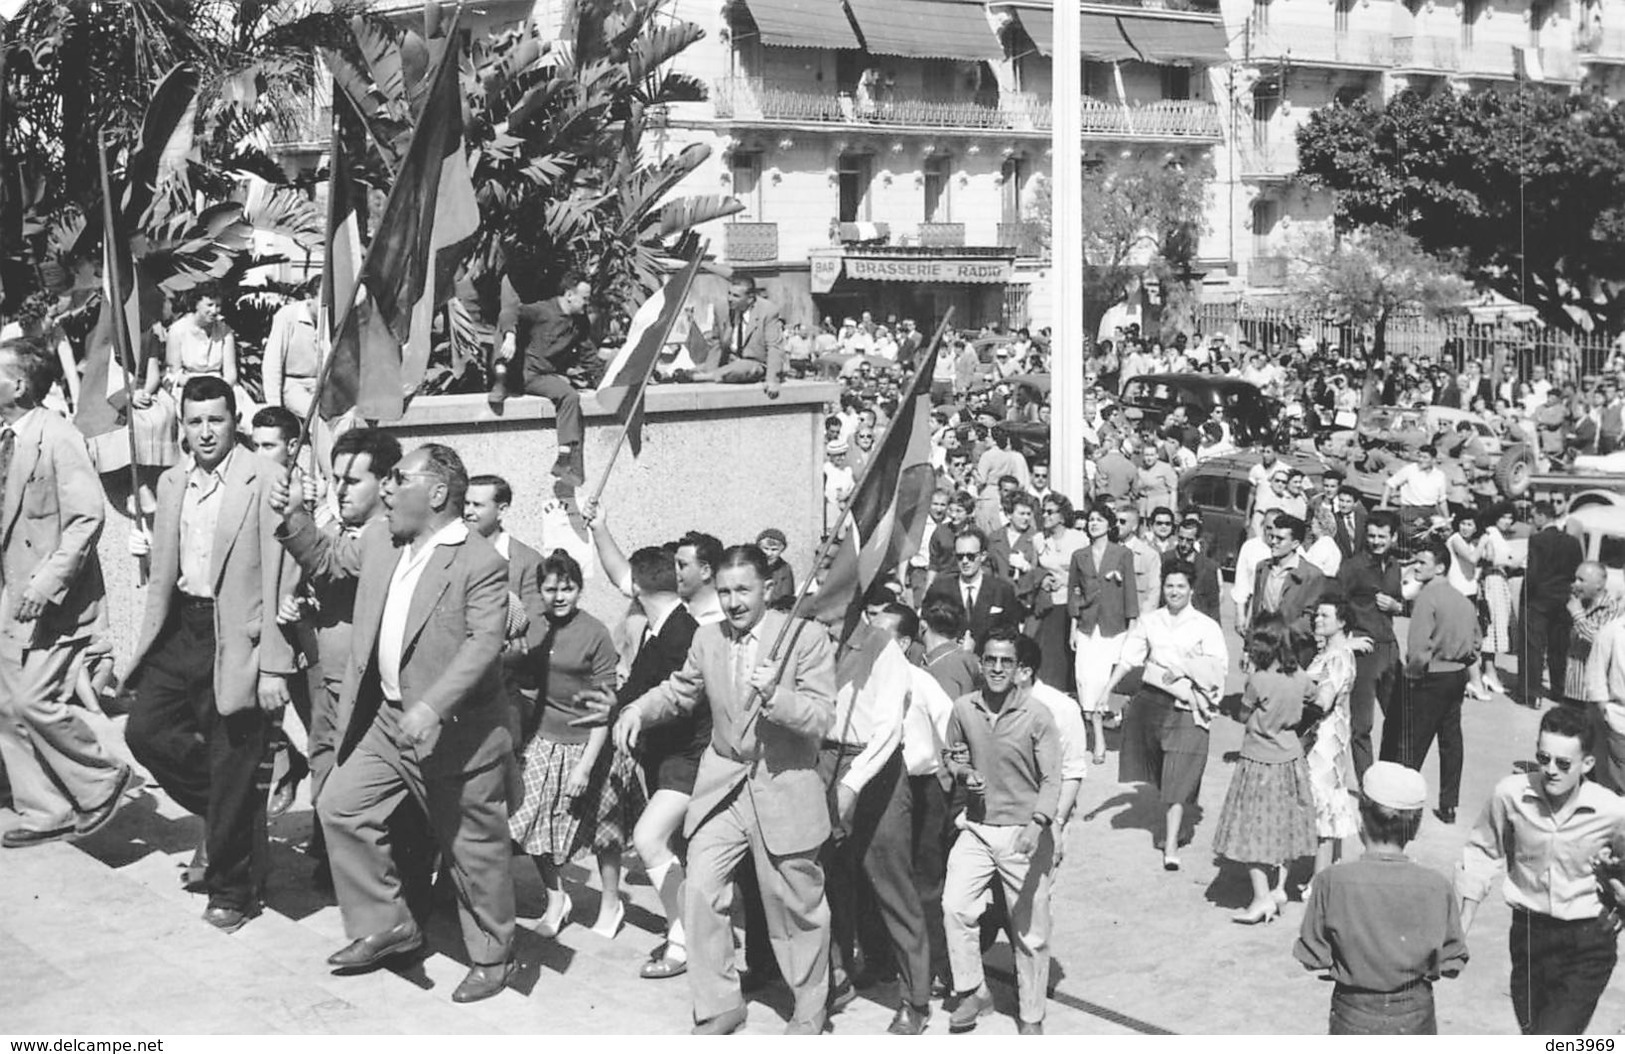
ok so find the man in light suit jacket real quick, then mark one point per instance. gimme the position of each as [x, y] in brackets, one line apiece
[422, 714]
[747, 346]
[63, 783]
[986, 597]
[757, 792]
[212, 665]
[488, 500]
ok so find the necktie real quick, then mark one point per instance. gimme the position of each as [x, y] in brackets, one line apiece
[1348, 525]
[739, 334]
[970, 599]
[741, 668]
[8, 442]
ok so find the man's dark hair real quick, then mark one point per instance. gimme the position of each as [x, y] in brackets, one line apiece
[1572, 723]
[383, 450]
[570, 280]
[741, 556]
[206, 387]
[561, 565]
[1002, 632]
[1028, 653]
[908, 623]
[504, 493]
[1436, 550]
[1387, 519]
[1162, 510]
[278, 417]
[708, 551]
[972, 532]
[1288, 522]
[653, 570]
[1351, 490]
[1021, 497]
[945, 616]
[743, 281]
[1545, 509]
[1389, 826]
[36, 368]
[447, 466]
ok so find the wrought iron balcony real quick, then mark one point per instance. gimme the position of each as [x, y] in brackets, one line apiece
[1267, 272]
[1375, 50]
[1166, 119]
[1428, 53]
[941, 235]
[1025, 237]
[1486, 59]
[750, 242]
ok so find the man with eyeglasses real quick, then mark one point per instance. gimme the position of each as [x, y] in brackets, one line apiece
[987, 598]
[1040, 478]
[1287, 583]
[1551, 827]
[427, 715]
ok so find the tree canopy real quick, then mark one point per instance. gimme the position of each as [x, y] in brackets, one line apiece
[1525, 185]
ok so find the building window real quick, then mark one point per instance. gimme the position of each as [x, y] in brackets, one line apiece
[1097, 80]
[1176, 82]
[1266, 214]
[938, 208]
[1469, 18]
[1538, 14]
[1266, 103]
[1014, 176]
[1261, 16]
[747, 186]
[1340, 17]
[854, 175]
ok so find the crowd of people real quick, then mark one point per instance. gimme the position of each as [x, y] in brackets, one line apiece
[873, 806]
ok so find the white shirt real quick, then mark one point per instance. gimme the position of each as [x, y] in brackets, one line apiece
[499, 542]
[404, 582]
[1325, 555]
[925, 723]
[1253, 552]
[1414, 487]
[705, 606]
[870, 715]
[1069, 724]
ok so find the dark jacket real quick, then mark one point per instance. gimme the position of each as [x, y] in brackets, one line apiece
[995, 600]
[661, 656]
[1096, 600]
[1554, 556]
[1305, 583]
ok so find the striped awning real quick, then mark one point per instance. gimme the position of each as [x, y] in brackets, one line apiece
[927, 29]
[1099, 37]
[803, 24]
[1165, 41]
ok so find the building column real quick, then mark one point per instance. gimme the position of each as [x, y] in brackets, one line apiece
[1066, 258]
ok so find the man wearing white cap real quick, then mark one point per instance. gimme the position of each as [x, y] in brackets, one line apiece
[1383, 927]
[1550, 826]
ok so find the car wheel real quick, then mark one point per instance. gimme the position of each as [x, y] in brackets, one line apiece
[1515, 470]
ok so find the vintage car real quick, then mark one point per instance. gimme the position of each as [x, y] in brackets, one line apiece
[1482, 466]
[1220, 490]
[1253, 417]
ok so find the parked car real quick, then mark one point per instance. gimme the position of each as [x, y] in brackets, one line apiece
[1253, 417]
[1219, 489]
[1481, 465]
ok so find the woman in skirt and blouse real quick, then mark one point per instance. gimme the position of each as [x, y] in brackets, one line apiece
[1052, 622]
[1496, 562]
[1268, 819]
[1103, 599]
[1328, 755]
[579, 794]
[1165, 728]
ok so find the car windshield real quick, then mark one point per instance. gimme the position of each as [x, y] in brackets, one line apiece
[1142, 392]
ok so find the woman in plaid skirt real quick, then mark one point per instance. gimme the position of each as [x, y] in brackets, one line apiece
[580, 796]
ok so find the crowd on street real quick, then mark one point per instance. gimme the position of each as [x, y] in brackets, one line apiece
[866, 806]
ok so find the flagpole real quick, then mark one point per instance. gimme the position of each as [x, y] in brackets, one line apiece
[121, 339]
[792, 626]
[366, 257]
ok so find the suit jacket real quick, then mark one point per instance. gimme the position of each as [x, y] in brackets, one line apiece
[996, 600]
[454, 630]
[51, 514]
[1348, 544]
[1095, 600]
[999, 551]
[661, 656]
[250, 578]
[777, 752]
[763, 338]
[1305, 583]
[1554, 556]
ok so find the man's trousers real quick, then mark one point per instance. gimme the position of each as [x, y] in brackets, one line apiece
[214, 765]
[1429, 706]
[1559, 970]
[557, 389]
[1377, 675]
[981, 855]
[1545, 644]
[792, 889]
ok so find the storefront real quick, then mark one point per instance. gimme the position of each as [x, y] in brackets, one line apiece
[921, 284]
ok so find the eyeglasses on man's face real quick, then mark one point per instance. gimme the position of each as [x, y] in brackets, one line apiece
[966, 558]
[1543, 759]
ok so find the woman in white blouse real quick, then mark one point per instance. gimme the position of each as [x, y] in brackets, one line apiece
[1496, 562]
[1465, 554]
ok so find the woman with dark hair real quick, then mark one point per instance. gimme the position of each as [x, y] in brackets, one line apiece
[579, 797]
[200, 342]
[1103, 600]
[1165, 728]
[1268, 819]
[1466, 555]
[1054, 547]
[1328, 757]
[1496, 562]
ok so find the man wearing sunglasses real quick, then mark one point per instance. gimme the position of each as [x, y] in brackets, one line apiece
[1550, 826]
[986, 598]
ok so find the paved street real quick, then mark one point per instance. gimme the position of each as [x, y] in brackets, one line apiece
[1136, 949]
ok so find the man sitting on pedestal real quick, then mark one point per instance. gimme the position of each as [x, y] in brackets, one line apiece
[747, 346]
[553, 333]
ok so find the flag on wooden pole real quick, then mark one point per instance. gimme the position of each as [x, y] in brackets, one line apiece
[887, 512]
[621, 390]
[413, 258]
[346, 231]
[111, 352]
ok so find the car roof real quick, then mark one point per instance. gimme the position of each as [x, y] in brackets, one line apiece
[1239, 464]
[1201, 381]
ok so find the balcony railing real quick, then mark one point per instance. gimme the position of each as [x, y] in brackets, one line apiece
[1267, 272]
[1601, 45]
[750, 242]
[742, 99]
[1340, 49]
[1199, 6]
[1275, 158]
[1427, 53]
[941, 235]
[1487, 59]
[1026, 238]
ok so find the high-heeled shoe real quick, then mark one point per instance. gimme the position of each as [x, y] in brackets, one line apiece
[559, 907]
[1257, 913]
[1280, 898]
[615, 921]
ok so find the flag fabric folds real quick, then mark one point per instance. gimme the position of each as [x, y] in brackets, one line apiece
[886, 519]
[621, 390]
[111, 352]
[412, 262]
[346, 232]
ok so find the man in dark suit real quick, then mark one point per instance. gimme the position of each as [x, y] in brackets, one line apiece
[986, 597]
[553, 334]
[63, 782]
[909, 342]
[747, 346]
[1554, 556]
[1205, 584]
[1287, 583]
[1350, 517]
[1010, 550]
[422, 715]
[212, 664]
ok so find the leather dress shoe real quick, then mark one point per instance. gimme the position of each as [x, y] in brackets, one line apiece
[1446, 816]
[372, 950]
[23, 837]
[287, 788]
[972, 1005]
[841, 995]
[724, 1024]
[482, 982]
[94, 819]
[1029, 1028]
[566, 471]
[227, 918]
[910, 1020]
